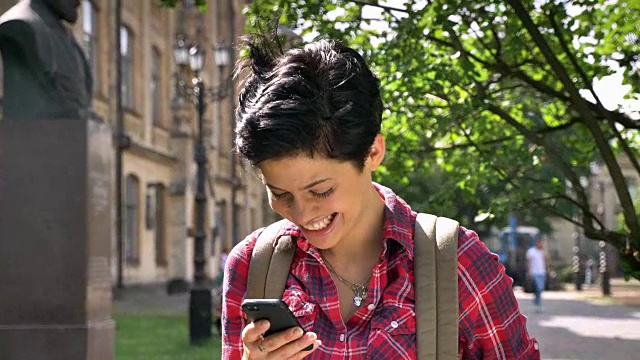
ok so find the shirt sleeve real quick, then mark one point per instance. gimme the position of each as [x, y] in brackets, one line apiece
[491, 325]
[233, 291]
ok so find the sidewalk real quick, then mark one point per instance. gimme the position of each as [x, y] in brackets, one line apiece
[584, 325]
[622, 293]
[149, 299]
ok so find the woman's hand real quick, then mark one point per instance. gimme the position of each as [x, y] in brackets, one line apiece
[287, 344]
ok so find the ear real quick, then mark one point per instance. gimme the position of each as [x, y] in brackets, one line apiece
[376, 154]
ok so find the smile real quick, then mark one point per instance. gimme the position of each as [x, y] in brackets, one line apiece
[320, 224]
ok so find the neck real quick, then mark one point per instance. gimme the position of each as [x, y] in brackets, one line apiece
[366, 242]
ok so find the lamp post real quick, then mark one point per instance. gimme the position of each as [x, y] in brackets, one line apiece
[598, 173]
[578, 265]
[193, 56]
[604, 266]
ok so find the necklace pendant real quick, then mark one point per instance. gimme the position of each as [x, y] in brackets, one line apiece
[357, 300]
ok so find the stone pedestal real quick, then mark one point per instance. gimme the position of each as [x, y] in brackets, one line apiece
[55, 240]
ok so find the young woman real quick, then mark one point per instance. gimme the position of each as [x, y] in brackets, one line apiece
[309, 121]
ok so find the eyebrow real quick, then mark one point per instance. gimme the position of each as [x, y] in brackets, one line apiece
[314, 183]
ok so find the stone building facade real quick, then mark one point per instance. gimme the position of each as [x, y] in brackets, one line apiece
[159, 172]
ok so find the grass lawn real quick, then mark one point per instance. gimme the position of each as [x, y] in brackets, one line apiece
[159, 337]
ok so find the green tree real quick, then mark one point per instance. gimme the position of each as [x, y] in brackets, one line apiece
[486, 101]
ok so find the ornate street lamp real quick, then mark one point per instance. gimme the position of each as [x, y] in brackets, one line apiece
[181, 51]
[222, 54]
[194, 57]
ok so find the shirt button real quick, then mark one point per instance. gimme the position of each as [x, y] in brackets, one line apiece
[341, 337]
[394, 324]
[371, 307]
[536, 346]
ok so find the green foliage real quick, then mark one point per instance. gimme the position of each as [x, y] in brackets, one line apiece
[483, 112]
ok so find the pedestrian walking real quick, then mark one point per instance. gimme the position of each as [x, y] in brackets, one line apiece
[537, 271]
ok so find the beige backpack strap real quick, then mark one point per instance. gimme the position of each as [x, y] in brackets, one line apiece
[436, 287]
[269, 266]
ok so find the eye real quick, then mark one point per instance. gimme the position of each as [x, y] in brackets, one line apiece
[324, 194]
[279, 195]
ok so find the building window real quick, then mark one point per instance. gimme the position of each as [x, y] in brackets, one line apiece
[160, 225]
[220, 223]
[132, 218]
[126, 52]
[155, 85]
[89, 37]
[235, 226]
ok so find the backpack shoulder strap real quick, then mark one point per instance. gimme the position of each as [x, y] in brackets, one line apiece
[436, 283]
[269, 266]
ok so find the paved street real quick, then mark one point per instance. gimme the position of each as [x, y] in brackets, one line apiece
[572, 327]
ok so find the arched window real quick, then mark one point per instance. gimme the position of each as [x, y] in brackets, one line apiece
[160, 225]
[90, 37]
[220, 224]
[154, 88]
[126, 53]
[132, 219]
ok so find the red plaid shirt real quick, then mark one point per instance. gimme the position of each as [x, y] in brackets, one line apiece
[491, 325]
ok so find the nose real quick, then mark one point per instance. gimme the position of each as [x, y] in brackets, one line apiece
[303, 211]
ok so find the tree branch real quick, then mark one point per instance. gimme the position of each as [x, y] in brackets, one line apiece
[376, 4]
[598, 107]
[581, 105]
[626, 148]
[501, 67]
[545, 130]
[553, 153]
[565, 47]
[611, 237]
[541, 203]
[468, 20]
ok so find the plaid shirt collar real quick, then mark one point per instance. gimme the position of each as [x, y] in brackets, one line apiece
[398, 217]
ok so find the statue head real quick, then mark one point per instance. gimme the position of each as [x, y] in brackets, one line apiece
[66, 10]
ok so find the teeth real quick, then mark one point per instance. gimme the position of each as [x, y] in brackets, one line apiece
[321, 224]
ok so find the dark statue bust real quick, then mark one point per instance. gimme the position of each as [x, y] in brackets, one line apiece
[46, 74]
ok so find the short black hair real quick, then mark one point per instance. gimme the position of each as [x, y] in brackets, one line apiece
[320, 100]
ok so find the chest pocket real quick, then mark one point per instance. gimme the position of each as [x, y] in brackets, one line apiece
[394, 321]
[395, 326]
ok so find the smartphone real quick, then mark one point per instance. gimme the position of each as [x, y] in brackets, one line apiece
[276, 311]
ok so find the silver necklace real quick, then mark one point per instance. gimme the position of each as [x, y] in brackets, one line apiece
[359, 290]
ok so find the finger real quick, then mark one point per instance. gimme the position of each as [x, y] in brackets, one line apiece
[253, 331]
[254, 348]
[303, 353]
[295, 347]
[277, 340]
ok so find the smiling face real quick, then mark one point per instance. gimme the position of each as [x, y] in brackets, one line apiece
[328, 199]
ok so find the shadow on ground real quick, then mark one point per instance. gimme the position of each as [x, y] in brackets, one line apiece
[580, 329]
